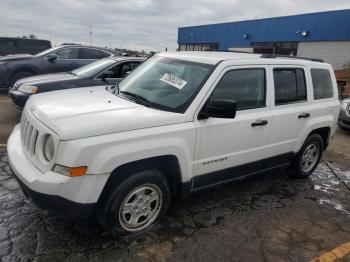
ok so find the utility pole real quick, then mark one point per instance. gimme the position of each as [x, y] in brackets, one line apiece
[90, 32]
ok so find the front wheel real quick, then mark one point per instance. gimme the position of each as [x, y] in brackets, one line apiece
[308, 157]
[137, 203]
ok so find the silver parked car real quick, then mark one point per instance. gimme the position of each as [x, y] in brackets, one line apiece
[344, 116]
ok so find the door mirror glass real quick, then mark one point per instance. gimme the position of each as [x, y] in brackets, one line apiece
[51, 57]
[219, 108]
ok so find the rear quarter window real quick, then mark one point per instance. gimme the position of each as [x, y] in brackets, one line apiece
[322, 83]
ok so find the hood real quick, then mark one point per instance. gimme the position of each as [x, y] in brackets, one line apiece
[15, 57]
[93, 111]
[39, 79]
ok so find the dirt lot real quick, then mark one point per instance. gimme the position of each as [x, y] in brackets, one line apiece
[264, 218]
[9, 117]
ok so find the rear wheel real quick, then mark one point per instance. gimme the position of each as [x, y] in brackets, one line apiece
[308, 157]
[137, 203]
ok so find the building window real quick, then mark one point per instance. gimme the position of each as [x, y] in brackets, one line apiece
[278, 48]
[198, 47]
[290, 85]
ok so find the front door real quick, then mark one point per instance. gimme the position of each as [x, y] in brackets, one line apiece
[66, 60]
[236, 146]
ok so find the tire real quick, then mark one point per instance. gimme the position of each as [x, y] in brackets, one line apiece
[133, 196]
[20, 75]
[308, 157]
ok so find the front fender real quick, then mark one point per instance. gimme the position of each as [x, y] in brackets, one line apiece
[103, 154]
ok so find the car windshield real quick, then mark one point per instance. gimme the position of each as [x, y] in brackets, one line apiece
[165, 83]
[45, 52]
[94, 68]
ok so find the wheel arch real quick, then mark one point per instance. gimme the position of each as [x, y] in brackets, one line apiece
[168, 165]
[24, 68]
[324, 132]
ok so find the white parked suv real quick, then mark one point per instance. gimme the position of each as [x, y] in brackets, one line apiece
[179, 123]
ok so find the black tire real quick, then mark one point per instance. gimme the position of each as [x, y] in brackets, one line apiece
[113, 219]
[298, 166]
[20, 75]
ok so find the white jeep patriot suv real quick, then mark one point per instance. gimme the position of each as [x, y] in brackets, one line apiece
[179, 123]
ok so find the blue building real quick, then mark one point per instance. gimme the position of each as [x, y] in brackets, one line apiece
[323, 35]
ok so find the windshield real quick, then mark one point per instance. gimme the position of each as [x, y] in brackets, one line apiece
[45, 52]
[165, 83]
[94, 68]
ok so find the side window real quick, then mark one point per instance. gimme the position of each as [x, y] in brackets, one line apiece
[120, 70]
[322, 83]
[67, 53]
[290, 85]
[89, 53]
[8, 47]
[245, 86]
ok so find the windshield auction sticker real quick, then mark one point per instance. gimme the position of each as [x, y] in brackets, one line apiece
[173, 81]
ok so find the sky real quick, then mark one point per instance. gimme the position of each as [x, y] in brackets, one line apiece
[149, 25]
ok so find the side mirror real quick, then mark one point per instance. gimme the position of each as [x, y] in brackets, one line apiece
[219, 108]
[51, 57]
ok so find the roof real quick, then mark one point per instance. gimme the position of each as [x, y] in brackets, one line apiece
[210, 57]
[126, 58]
[112, 51]
[21, 38]
[322, 26]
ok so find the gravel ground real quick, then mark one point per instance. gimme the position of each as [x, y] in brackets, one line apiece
[266, 218]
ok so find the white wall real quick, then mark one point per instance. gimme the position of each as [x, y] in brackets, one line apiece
[335, 53]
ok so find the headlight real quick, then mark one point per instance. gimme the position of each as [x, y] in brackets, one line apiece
[48, 148]
[28, 89]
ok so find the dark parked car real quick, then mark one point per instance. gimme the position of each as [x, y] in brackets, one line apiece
[344, 116]
[16, 45]
[107, 71]
[58, 59]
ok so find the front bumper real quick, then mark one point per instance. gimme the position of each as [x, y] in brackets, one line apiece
[344, 119]
[46, 190]
[18, 98]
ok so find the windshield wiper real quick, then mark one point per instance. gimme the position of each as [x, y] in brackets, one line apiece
[139, 99]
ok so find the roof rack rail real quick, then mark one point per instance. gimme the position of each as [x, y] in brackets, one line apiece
[291, 57]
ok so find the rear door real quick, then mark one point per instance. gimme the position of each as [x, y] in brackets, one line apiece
[290, 107]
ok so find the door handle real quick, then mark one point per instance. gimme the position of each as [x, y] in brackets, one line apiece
[304, 115]
[260, 123]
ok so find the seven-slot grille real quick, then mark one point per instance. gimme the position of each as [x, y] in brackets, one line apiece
[348, 109]
[29, 135]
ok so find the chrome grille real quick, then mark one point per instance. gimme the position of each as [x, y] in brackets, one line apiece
[29, 135]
